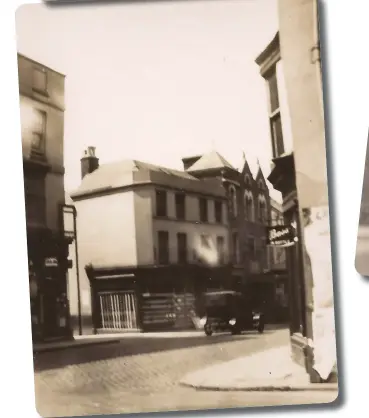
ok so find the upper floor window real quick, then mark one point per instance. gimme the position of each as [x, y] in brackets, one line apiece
[182, 247]
[248, 181]
[39, 81]
[249, 206]
[39, 131]
[35, 200]
[221, 250]
[218, 206]
[163, 247]
[233, 200]
[262, 209]
[236, 248]
[180, 200]
[275, 114]
[161, 203]
[251, 248]
[203, 204]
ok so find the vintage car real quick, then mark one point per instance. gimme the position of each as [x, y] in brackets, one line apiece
[230, 311]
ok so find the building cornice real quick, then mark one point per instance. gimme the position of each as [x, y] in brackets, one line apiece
[269, 57]
[114, 190]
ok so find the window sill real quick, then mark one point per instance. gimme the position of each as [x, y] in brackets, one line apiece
[167, 218]
[39, 92]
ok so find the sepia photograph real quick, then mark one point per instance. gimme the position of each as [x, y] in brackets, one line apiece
[176, 201]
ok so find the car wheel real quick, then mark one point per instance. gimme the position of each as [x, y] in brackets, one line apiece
[208, 330]
[235, 331]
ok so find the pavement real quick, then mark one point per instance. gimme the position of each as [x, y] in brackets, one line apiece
[269, 370]
[76, 342]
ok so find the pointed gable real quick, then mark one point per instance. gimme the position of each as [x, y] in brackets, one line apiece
[247, 176]
[210, 161]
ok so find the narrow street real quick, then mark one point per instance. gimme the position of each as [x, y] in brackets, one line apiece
[141, 374]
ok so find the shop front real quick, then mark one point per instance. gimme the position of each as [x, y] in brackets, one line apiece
[282, 178]
[47, 257]
[152, 298]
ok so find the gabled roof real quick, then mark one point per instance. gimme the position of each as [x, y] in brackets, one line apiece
[210, 161]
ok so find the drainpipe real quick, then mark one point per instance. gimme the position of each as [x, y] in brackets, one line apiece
[77, 272]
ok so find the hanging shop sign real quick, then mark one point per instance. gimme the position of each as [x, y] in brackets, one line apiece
[280, 235]
[51, 262]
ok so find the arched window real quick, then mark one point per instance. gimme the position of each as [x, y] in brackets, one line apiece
[262, 209]
[233, 200]
[249, 209]
[248, 181]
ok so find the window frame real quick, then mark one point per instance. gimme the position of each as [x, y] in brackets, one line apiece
[43, 89]
[278, 147]
[203, 209]
[178, 205]
[182, 252]
[40, 132]
[218, 205]
[159, 193]
[163, 258]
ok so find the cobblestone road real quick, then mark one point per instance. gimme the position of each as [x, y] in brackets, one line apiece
[141, 374]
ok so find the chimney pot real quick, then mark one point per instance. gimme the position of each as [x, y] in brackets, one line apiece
[89, 161]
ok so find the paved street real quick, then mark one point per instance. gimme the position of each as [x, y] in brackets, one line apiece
[141, 374]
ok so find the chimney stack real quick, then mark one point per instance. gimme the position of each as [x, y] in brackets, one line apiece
[89, 161]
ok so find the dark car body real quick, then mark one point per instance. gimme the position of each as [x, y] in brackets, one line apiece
[230, 311]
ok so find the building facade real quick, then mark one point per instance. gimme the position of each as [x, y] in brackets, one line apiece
[249, 212]
[151, 240]
[290, 65]
[41, 92]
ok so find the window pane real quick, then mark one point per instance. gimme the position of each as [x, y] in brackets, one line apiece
[39, 130]
[39, 79]
[161, 203]
[203, 210]
[180, 206]
[182, 247]
[273, 92]
[218, 212]
[277, 134]
[163, 244]
[220, 249]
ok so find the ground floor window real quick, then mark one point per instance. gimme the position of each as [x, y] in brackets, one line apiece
[118, 310]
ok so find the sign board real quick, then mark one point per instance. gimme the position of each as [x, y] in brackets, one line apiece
[280, 235]
[51, 262]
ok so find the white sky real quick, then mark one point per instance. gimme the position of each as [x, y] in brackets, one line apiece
[157, 81]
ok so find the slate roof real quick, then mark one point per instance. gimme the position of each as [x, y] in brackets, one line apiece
[126, 173]
[210, 161]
